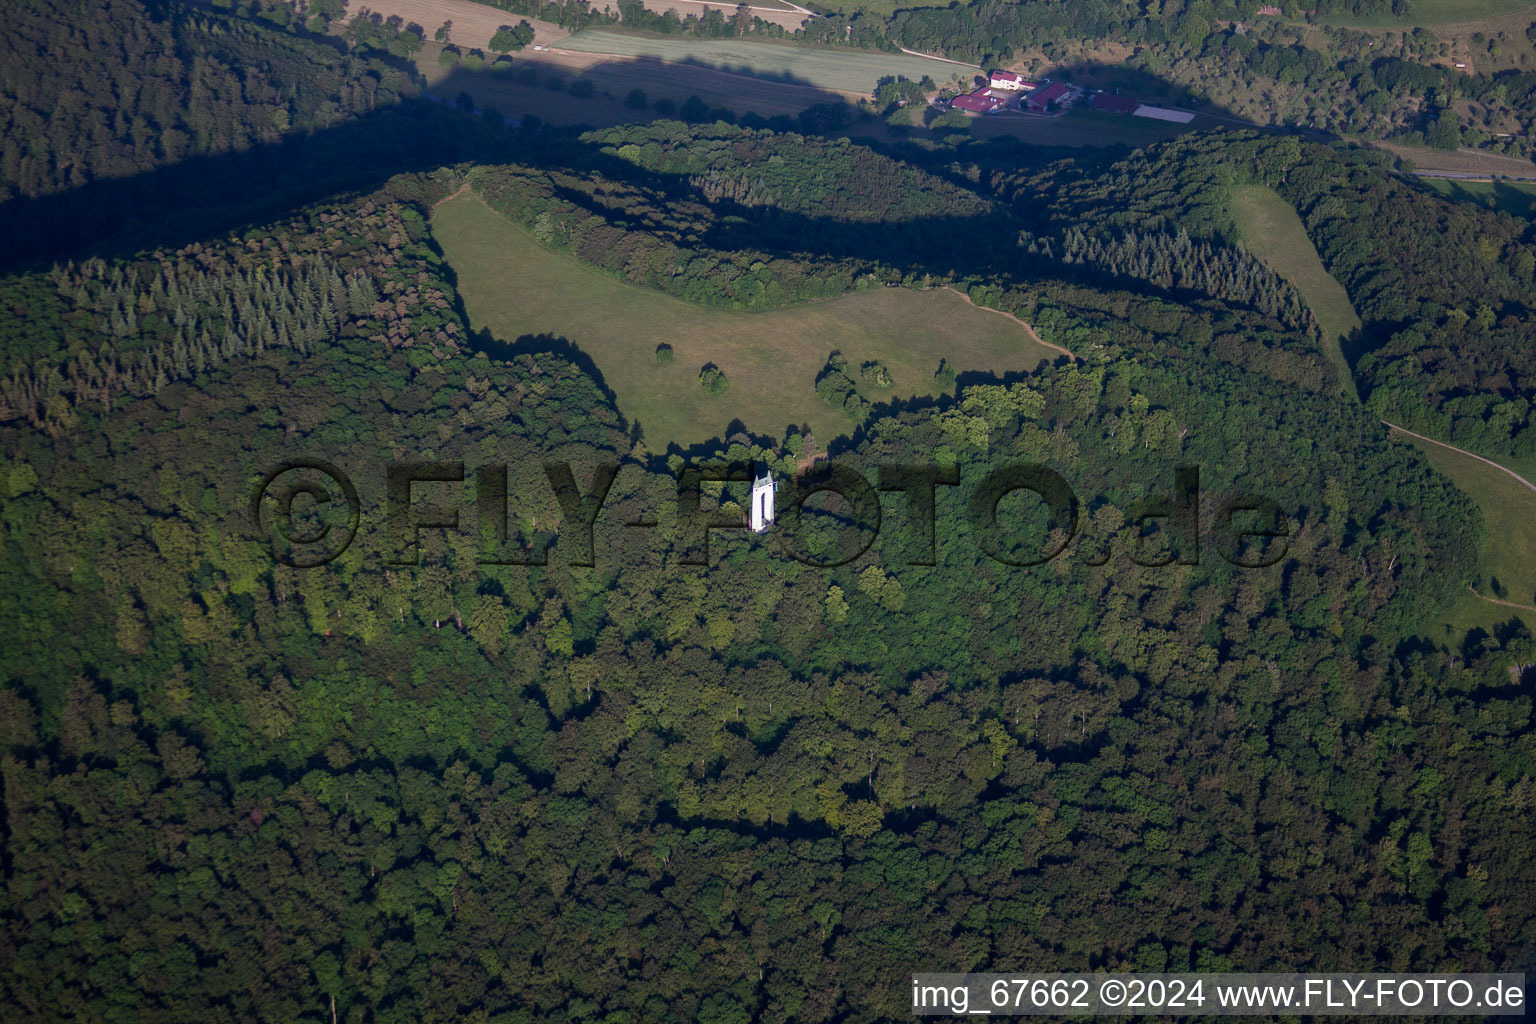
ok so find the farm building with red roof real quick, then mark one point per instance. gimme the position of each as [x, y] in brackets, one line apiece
[981, 102]
[1010, 80]
[1043, 97]
[1114, 104]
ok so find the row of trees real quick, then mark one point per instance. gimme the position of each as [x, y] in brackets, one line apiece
[1175, 260]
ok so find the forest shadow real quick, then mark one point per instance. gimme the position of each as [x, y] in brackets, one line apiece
[1358, 344]
[202, 198]
[723, 67]
[205, 196]
[672, 89]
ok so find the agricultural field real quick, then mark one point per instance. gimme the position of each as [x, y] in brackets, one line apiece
[1434, 13]
[614, 77]
[473, 24]
[1509, 550]
[778, 12]
[1460, 161]
[512, 286]
[838, 70]
[1517, 198]
[879, 8]
[1271, 230]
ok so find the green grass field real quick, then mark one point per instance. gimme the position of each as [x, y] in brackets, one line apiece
[1517, 198]
[1509, 552]
[1429, 13]
[841, 70]
[1084, 127]
[1525, 467]
[1271, 230]
[512, 286]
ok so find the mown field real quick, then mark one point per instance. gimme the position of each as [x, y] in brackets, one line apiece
[512, 286]
[1272, 231]
[840, 70]
[1509, 551]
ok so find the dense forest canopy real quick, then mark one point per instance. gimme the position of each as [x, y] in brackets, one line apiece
[109, 90]
[442, 784]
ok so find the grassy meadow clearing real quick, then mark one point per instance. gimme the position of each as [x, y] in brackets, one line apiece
[1271, 230]
[513, 287]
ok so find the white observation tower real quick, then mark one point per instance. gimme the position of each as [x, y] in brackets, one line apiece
[763, 487]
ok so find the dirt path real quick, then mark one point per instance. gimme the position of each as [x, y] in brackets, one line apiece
[933, 56]
[1463, 451]
[462, 189]
[1506, 604]
[1028, 329]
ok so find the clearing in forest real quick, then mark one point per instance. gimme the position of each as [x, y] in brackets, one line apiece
[513, 286]
[1271, 230]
